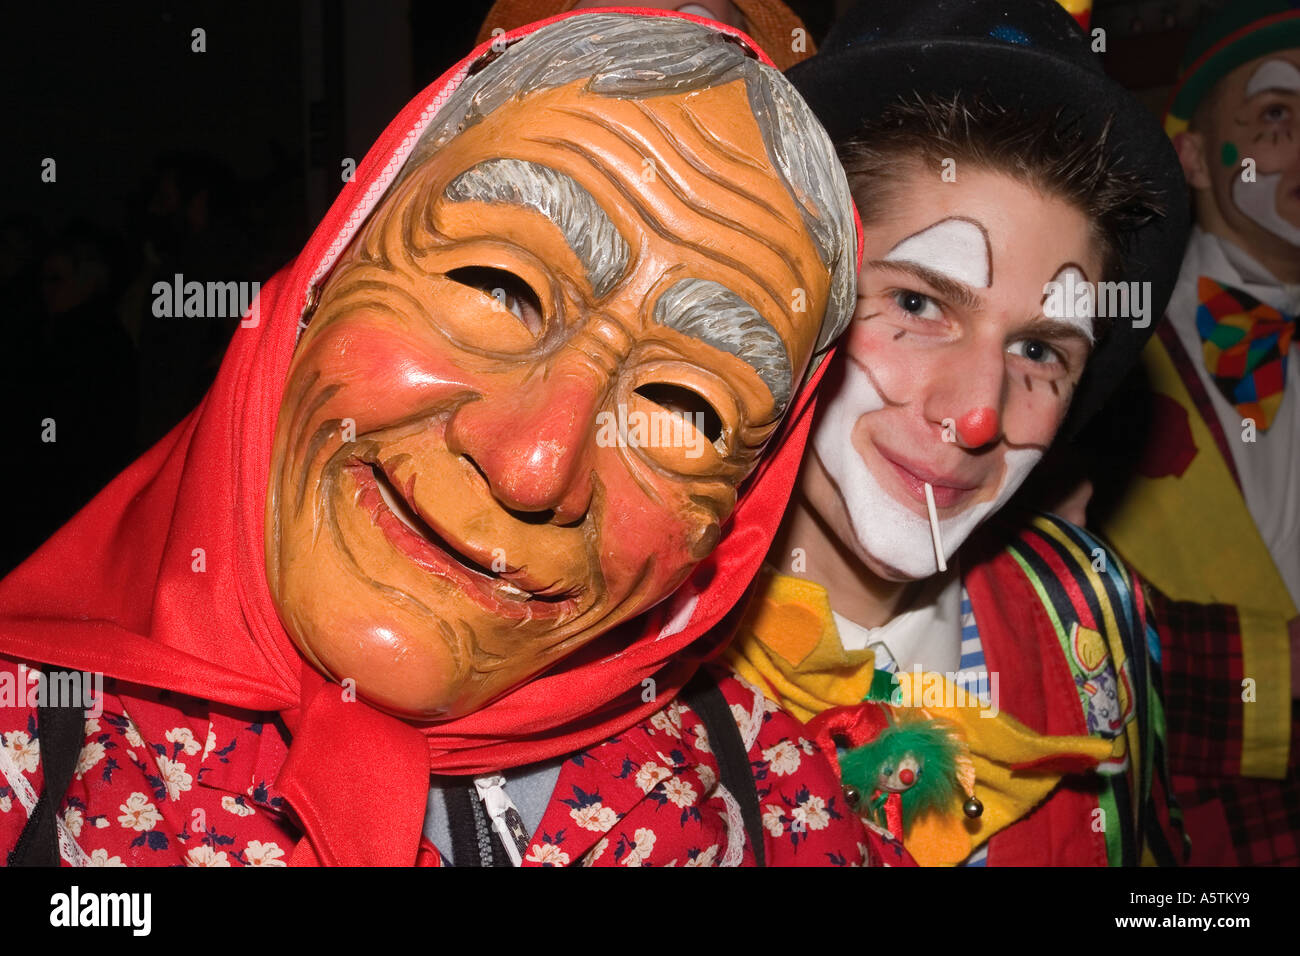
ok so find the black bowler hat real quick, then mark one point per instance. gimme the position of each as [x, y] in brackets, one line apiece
[1029, 54]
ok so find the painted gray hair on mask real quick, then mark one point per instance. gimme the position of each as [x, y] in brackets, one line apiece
[714, 314]
[588, 231]
[629, 56]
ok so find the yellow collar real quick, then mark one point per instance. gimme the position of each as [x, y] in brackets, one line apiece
[788, 646]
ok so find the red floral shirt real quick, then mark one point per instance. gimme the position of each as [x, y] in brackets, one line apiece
[166, 780]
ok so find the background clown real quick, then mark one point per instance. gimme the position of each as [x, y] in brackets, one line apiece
[1202, 492]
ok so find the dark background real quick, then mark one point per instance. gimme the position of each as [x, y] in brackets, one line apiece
[216, 165]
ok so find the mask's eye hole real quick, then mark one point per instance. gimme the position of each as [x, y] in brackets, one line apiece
[688, 404]
[512, 293]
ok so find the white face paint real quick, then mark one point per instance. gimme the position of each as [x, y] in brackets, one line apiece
[1072, 299]
[956, 248]
[883, 528]
[1274, 75]
[1258, 200]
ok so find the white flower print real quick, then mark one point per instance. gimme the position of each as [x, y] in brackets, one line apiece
[706, 858]
[91, 754]
[185, 737]
[138, 813]
[73, 820]
[665, 721]
[132, 734]
[702, 739]
[679, 792]
[174, 777]
[641, 850]
[812, 813]
[741, 715]
[101, 822]
[774, 819]
[258, 853]
[548, 853]
[92, 726]
[211, 744]
[807, 746]
[231, 805]
[6, 804]
[707, 777]
[596, 852]
[769, 705]
[205, 856]
[594, 817]
[783, 758]
[650, 774]
[24, 751]
[101, 858]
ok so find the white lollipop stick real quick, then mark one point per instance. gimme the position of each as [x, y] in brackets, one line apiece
[934, 528]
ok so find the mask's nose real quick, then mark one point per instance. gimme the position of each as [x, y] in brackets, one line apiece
[534, 440]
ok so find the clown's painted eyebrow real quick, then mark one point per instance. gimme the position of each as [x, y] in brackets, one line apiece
[956, 247]
[1078, 313]
[586, 227]
[717, 316]
[1280, 76]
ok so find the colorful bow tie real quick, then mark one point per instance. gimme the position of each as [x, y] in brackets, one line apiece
[1245, 344]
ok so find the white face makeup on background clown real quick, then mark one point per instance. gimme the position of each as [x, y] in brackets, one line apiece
[1265, 128]
[951, 375]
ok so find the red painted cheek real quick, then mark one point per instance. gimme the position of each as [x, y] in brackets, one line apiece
[893, 367]
[640, 534]
[384, 375]
[978, 427]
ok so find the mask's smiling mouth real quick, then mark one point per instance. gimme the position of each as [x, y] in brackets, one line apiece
[505, 592]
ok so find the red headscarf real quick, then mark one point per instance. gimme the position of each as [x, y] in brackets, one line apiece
[160, 580]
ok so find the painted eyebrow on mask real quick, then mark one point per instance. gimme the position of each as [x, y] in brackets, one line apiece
[1274, 76]
[956, 247]
[719, 317]
[586, 227]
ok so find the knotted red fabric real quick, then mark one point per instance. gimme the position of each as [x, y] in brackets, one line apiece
[160, 581]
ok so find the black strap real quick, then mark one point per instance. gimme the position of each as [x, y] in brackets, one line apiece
[703, 696]
[60, 731]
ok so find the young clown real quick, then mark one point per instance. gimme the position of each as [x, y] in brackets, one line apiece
[1212, 516]
[1024, 651]
[388, 596]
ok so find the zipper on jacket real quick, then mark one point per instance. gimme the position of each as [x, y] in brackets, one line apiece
[504, 815]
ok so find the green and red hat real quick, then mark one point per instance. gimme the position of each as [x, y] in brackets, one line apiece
[1243, 31]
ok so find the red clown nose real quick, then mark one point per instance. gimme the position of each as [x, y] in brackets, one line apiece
[978, 426]
[906, 776]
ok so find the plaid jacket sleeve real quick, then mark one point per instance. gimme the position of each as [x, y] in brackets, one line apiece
[1231, 819]
[1205, 688]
